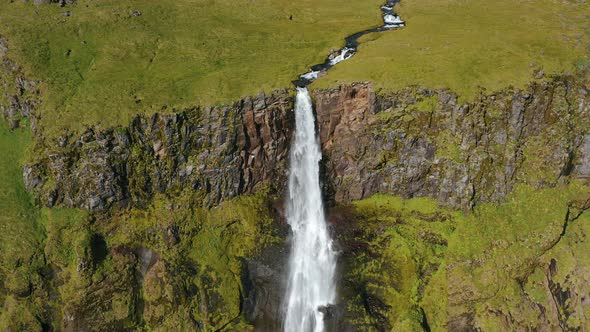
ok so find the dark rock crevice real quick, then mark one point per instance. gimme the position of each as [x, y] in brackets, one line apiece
[424, 322]
[572, 213]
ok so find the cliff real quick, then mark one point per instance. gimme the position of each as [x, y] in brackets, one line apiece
[425, 143]
[220, 152]
[412, 143]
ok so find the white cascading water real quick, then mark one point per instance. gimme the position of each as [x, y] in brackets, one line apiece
[313, 261]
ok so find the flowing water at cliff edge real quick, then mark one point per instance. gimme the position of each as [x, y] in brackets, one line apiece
[311, 287]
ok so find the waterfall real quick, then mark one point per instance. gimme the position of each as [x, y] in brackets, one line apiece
[311, 287]
[313, 261]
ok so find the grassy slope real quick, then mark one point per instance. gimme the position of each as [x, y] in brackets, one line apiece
[461, 45]
[47, 252]
[449, 263]
[18, 212]
[104, 65]
[20, 233]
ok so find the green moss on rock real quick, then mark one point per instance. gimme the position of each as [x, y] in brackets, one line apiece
[510, 265]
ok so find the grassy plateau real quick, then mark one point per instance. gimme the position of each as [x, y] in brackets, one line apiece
[464, 45]
[103, 62]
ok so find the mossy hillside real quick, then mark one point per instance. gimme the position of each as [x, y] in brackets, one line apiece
[21, 236]
[206, 249]
[101, 64]
[33, 242]
[64, 268]
[494, 251]
[92, 272]
[194, 279]
[488, 269]
[41, 251]
[569, 270]
[405, 241]
[465, 45]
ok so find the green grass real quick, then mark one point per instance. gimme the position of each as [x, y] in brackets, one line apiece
[463, 45]
[20, 234]
[448, 263]
[102, 65]
[18, 217]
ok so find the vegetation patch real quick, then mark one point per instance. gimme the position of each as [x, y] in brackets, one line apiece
[21, 237]
[500, 266]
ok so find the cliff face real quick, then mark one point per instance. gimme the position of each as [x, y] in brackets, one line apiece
[220, 152]
[412, 143]
[424, 143]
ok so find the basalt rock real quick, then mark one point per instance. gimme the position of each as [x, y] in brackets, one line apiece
[414, 142]
[418, 142]
[221, 152]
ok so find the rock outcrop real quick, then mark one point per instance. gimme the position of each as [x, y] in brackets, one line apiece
[20, 95]
[418, 142]
[219, 151]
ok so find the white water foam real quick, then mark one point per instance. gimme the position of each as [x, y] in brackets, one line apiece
[310, 75]
[345, 54]
[394, 20]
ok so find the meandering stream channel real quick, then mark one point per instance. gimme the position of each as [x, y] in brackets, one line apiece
[312, 264]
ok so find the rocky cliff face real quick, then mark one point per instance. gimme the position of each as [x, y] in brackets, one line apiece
[220, 152]
[418, 142]
[411, 143]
